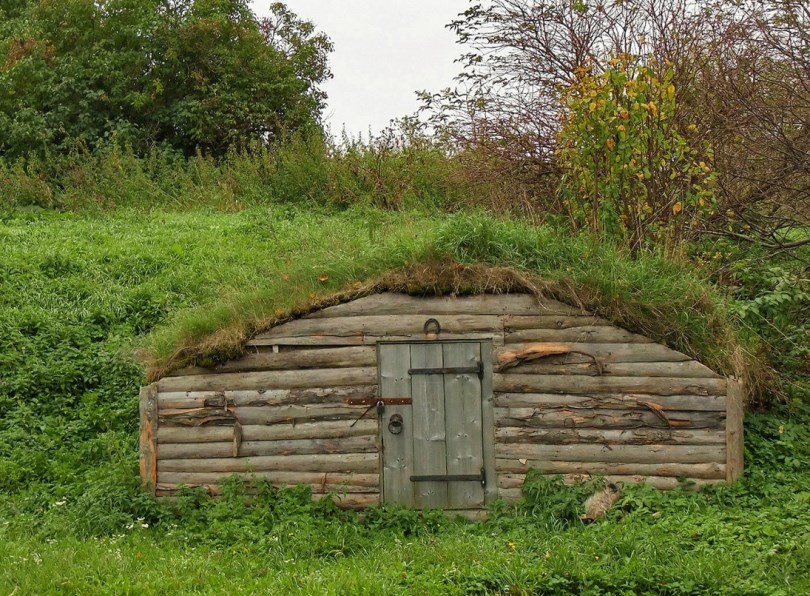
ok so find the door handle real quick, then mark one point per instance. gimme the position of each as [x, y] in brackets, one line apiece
[395, 424]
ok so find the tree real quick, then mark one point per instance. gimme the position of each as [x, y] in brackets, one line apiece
[190, 74]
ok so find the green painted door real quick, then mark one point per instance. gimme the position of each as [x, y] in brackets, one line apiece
[433, 447]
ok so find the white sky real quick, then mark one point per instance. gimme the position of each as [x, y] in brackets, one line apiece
[385, 51]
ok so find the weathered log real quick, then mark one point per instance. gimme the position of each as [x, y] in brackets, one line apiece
[259, 415]
[287, 379]
[370, 340]
[617, 401]
[603, 418]
[364, 444]
[673, 470]
[604, 352]
[515, 481]
[276, 478]
[734, 430]
[589, 334]
[344, 462]
[594, 452]
[585, 366]
[635, 436]
[384, 325]
[317, 489]
[276, 432]
[148, 407]
[389, 303]
[519, 383]
[269, 397]
[356, 357]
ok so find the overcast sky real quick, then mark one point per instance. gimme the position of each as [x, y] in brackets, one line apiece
[385, 50]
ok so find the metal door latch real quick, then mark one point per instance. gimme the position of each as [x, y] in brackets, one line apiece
[450, 370]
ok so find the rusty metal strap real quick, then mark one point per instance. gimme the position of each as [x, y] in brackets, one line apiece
[387, 401]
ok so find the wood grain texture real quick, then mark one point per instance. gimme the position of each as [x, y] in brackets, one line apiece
[635, 436]
[576, 385]
[429, 436]
[605, 352]
[615, 401]
[277, 432]
[286, 379]
[264, 415]
[582, 365]
[389, 303]
[316, 489]
[361, 463]
[735, 446]
[607, 418]
[711, 471]
[397, 459]
[362, 444]
[462, 403]
[343, 357]
[588, 334]
[268, 397]
[629, 454]
[372, 340]
[148, 408]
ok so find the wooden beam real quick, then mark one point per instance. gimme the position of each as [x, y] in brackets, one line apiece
[264, 397]
[604, 352]
[347, 463]
[613, 401]
[148, 408]
[735, 445]
[577, 385]
[277, 432]
[628, 454]
[286, 379]
[607, 418]
[363, 444]
[633, 436]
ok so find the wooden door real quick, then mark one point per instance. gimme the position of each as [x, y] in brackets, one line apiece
[433, 448]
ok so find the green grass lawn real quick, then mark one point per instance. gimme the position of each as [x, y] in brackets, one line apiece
[80, 294]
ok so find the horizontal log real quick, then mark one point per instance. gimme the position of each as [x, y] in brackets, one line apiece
[635, 436]
[389, 303]
[348, 463]
[496, 337]
[260, 415]
[515, 481]
[595, 452]
[384, 325]
[585, 366]
[359, 356]
[275, 478]
[268, 397]
[317, 489]
[670, 470]
[520, 383]
[276, 432]
[287, 379]
[614, 401]
[366, 444]
[589, 334]
[603, 418]
[604, 352]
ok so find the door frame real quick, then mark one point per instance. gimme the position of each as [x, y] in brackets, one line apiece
[487, 412]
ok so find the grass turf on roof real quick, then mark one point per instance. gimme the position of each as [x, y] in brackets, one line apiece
[664, 299]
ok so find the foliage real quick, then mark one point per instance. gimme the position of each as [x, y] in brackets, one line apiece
[629, 172]
[190, 75]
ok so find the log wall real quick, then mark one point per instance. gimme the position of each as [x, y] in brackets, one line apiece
[573, 395]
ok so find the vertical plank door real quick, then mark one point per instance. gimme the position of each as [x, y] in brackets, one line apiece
[462, 406]
[397, 449]
[429, 433]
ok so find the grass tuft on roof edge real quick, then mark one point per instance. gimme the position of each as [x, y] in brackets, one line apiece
[662, 298]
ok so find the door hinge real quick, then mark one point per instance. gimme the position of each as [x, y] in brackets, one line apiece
[482, 478]
[450, 370]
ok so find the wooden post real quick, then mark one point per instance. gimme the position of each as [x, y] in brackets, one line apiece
[735, 399]
[148, 436]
